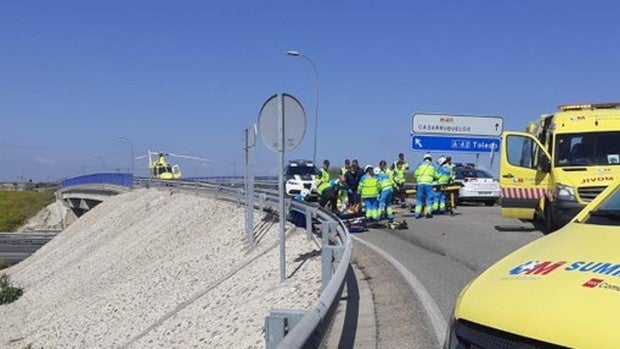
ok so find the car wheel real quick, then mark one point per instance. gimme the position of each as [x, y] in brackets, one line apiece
[489, 203]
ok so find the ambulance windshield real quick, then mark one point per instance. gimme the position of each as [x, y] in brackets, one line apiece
[587, 149]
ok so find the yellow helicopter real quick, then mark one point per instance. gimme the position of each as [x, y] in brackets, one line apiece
[160, 168]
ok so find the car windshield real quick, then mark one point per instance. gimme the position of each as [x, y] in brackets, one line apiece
[301, 170]
[609, 212]
[461, 173]
[587, 149]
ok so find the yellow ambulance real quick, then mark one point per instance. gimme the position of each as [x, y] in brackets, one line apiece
[563, 162]
[560, 291]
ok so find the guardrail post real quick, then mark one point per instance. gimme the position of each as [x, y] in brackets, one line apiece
[279, 323]
[239, 196]
[326, 255]
[309, 230]
[261, 202]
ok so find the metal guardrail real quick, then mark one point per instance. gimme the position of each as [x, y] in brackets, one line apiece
[295, 328]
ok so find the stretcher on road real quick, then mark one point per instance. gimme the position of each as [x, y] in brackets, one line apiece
[452, 193]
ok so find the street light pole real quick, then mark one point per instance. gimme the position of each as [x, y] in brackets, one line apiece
[131, 146]
[293, 53]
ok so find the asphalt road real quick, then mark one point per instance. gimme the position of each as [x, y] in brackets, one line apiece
[443, 253]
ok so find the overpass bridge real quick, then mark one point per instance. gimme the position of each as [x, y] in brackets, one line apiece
[85, 192]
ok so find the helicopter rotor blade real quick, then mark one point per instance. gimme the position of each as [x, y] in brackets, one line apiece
[190, 157]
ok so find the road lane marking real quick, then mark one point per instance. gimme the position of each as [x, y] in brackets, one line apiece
[440, 325]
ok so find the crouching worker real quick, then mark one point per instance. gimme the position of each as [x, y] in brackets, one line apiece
[328, 193]
[368, 189]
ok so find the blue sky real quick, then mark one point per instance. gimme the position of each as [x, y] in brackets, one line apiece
[189, 76]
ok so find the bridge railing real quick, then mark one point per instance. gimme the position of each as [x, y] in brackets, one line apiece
[298, 328]
[120, 179]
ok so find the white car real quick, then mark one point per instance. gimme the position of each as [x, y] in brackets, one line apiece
[477, 186]
[299, 175]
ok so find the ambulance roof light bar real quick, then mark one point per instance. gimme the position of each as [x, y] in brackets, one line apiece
[591, 106]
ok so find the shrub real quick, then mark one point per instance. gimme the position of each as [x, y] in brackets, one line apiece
[8, 293]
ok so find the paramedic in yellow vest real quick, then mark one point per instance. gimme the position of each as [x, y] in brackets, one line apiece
[451, 167]
[386, 186]
[328, 193]
[399, 183]
[368, 189]
[342, 193]
[401, 158]
[346, 167]
[424, 176]
[323, 176]
[444, 174]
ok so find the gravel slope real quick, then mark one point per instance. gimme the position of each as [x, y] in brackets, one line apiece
[153, 269]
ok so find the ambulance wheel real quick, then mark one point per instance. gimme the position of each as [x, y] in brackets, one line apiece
[549, 224]
[489, 203]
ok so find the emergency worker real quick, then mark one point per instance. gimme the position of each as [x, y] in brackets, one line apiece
[452, 168]
[424, 176]
[346, 167]
[401, 158]
[352, 179]
[386, 185]
[399, 183]
[323, 176]
[444, 174]
[369, 191]
[328, 193]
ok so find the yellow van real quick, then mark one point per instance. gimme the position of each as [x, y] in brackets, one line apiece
[563, 162]
[560, 291]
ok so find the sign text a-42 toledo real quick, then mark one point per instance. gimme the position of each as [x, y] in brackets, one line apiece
[489, 126]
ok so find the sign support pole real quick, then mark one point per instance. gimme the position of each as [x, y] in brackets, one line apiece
[250, 182]
[281, 146]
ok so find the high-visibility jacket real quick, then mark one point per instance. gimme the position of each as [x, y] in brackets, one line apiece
[405, 166]
[343, 170]
[425, 173]
[324, 185]
[368, 186]
[385, 181]
[399, 176]
[452, 172]
[444, 174]
[323, 177]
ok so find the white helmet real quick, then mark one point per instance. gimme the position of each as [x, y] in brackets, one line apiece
[367, 167]
[441, 160]
[427, 156]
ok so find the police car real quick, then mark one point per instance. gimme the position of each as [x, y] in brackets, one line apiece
[476, 185]
[560, 291]
[300, 175]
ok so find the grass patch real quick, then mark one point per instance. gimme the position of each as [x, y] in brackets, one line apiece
[4, 264]
[8, 293]
[16, 207]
